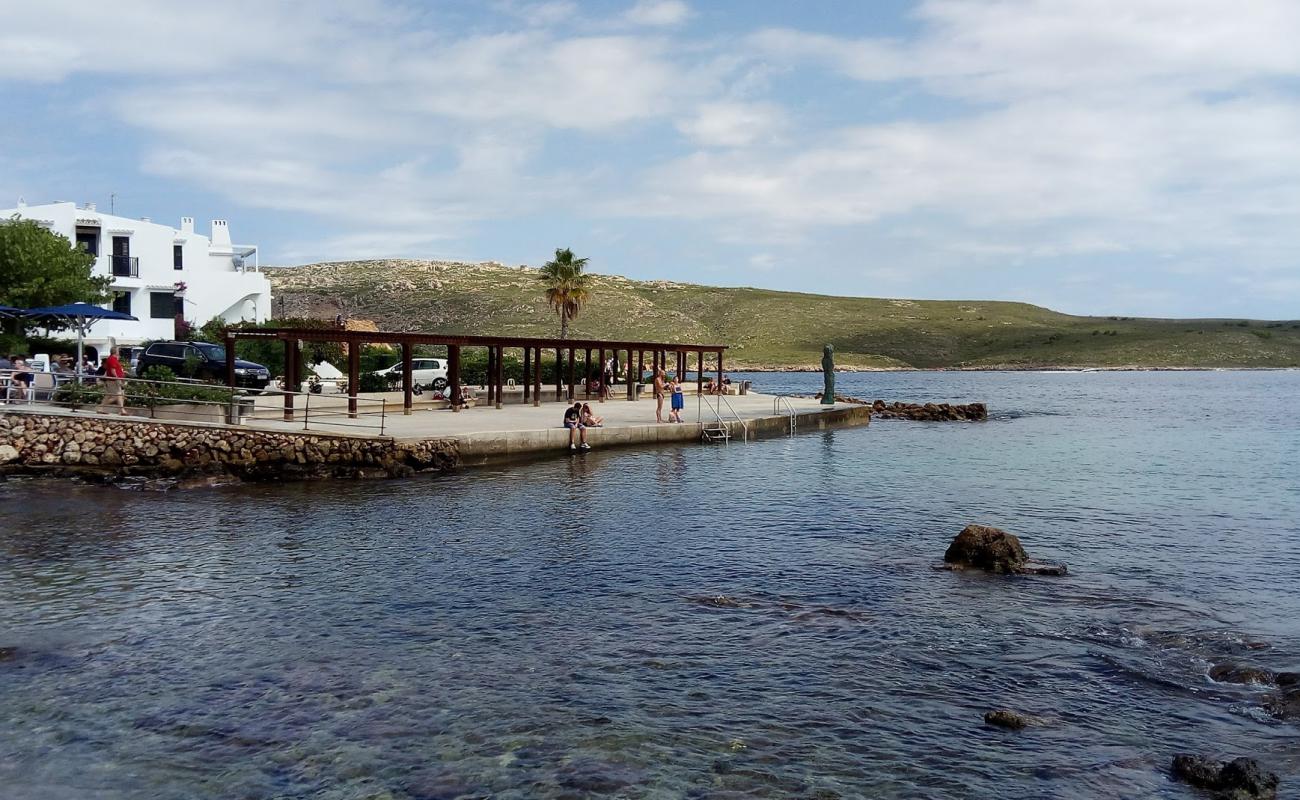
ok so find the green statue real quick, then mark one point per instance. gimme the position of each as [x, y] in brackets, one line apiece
[828, 375]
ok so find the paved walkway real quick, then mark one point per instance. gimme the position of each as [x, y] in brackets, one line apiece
[429, 423]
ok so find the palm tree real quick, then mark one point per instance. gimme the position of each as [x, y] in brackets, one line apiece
[568, 287]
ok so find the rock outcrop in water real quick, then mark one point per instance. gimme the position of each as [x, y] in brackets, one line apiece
[1283, 704]
[1230, 672]
[930, 412]
[1003, 718]
[994, 550]
[927, 412]
[1239, 779]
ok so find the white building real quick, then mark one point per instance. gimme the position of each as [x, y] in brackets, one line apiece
[158, 270]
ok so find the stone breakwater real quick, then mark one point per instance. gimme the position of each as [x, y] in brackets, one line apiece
[107, 449]
[922, 412]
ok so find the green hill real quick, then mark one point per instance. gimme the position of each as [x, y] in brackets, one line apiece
[770, 329]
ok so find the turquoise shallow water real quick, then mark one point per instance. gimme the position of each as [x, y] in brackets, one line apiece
[537, 630]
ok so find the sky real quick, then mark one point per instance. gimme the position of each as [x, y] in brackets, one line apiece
[1132, 157]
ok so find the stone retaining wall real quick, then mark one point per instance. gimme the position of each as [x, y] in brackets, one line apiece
[109, 448]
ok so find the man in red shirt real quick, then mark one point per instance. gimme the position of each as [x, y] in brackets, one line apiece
[112, 381]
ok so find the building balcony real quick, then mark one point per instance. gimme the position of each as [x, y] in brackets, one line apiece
[124, 266]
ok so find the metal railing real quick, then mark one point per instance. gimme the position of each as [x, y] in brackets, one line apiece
[125, 266]
[702, 402]
[776, 409]
[190, 401]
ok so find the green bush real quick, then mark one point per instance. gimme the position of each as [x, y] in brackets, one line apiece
[370, 382]
[154, 388]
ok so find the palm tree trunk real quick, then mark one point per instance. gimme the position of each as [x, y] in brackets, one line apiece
[564, 325]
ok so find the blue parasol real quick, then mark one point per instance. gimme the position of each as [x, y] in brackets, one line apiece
[79, 315]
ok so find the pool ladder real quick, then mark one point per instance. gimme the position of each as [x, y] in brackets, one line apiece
[718, 430]
[789, 408]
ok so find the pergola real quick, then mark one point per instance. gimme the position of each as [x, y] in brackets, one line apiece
[496, 347]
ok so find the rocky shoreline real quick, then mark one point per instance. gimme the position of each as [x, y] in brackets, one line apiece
[109, 450]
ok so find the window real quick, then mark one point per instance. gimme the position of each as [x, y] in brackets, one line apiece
[178, 256]
[122, 302]
[212, 352]
[162, 305]
[167, 350]
[88, 240]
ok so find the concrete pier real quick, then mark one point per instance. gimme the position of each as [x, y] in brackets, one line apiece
[46, 439]
[487, 434]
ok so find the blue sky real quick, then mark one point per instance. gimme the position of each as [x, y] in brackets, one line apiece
[1095, 156]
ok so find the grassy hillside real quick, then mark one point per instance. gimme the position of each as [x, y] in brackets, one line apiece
[776, 329]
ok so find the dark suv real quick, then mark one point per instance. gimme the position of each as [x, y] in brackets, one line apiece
[207, 361]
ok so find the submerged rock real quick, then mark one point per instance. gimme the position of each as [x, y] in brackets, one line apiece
[717, 601]
[1239, 779]
[1002, 718]
[1239, 673]
[1285, 704]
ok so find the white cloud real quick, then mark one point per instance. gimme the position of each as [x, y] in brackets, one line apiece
[731, 124]
[1027, 132]
[658, 12]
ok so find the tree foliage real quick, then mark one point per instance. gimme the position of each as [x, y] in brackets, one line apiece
[41, 268]
[567, 285]
[270, 352]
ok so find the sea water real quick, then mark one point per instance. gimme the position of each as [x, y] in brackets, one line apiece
[741, 620]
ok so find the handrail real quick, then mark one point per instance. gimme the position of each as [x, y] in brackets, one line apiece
[776, 404]
[718, 412]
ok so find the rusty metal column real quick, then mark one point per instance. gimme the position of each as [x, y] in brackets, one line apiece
[527, 380]
[289, 346]
[572, 358]
[699, 372]
[453, 374]
[406, 378]
[559, 373]
[640, 366]
[600, 368]
[627, 376]
[354, 377]
[489, 377]
[230, 362]
[499, 378]
[719, 370]
[586, 375]
[537, 378]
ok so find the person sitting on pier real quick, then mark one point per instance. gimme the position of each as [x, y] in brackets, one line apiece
[573, 421]
[467, 394]
[589, 417]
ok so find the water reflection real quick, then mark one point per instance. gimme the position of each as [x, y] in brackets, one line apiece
[755, 620]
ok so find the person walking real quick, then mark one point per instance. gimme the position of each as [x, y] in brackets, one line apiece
[659, 395]
[679, 401]
[112, 381]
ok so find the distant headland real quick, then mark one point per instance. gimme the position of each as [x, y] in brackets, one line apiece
[770, 329]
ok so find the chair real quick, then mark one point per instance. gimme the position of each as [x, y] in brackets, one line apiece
[43, 385]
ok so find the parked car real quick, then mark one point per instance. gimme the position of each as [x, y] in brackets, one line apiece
[209, 361]
[424, 371]
[132, 358]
